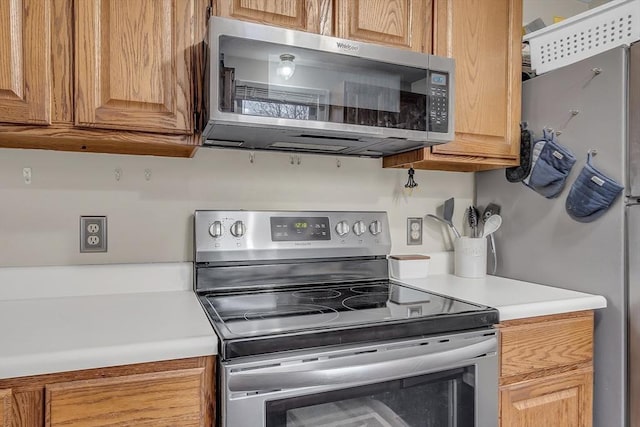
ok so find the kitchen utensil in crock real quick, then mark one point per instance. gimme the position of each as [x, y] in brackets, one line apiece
[447, 210]
[491, 225]
[449, 223]
[492, 209]
[472, 220]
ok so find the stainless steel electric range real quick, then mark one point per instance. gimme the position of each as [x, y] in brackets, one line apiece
[313, 333]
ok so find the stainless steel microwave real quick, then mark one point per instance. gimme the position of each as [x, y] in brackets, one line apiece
[279, 89]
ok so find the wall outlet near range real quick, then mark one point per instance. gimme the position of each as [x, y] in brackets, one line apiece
[414, 231]
[93, 234]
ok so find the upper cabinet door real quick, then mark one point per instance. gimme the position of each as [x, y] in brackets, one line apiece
[305, 15]
[133, 62]
[25, 61]
[484, 37]
[398, 23]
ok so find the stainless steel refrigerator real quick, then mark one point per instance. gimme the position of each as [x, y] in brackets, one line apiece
[591, 104]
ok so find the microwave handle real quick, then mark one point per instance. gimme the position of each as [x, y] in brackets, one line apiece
[287, 377]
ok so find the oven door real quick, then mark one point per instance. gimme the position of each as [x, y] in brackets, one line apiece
[447, 381]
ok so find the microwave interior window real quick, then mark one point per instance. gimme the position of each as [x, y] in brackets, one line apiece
[264, 79]
[258, 99]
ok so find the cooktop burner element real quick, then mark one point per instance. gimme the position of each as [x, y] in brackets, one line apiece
[373, 289]
[264, 292]
[317, 294]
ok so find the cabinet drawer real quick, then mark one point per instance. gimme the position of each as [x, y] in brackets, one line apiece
[529, 346]
[169, 398]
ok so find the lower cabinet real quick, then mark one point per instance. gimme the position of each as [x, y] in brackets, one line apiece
[171, 393]
[554, 400]
[546, 371]
[5, 408]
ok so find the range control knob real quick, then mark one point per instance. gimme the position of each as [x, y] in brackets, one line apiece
[359, 228]
[237, 229]
[375, 227]
[216, 229]
[342, 228]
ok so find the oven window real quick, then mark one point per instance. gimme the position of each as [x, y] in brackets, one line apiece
[443, 399]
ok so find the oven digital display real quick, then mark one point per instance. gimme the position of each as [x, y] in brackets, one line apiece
[296, 229]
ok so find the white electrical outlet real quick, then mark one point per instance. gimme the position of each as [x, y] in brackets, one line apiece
[26, 174]
[93, 234]
[414, 231]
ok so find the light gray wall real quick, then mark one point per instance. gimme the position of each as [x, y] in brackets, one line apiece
[547, 9]
[150, 220]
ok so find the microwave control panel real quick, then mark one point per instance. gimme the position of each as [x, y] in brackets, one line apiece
[438, 101]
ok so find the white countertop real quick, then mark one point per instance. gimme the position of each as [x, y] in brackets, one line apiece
[514, 299]
[99, 329]
[57, 319]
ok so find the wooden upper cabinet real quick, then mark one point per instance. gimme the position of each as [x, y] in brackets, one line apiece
[5, 408]
[133, 62]
[559, 400]
[172, 398]
[305, 15]
[484, 38]
[25, 61]
[397, 23]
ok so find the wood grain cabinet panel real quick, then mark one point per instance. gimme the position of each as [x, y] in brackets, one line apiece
[157, 399]
[5, 408]
[166, 393]
[546, 345]
[398, 23]
[560, 400]
[484, 38]
[25, 61]
[546, 371]
[133, 62]
[305, 15]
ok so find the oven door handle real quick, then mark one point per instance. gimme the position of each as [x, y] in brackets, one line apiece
[393, 365]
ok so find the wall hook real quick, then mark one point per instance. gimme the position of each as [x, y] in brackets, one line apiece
[252, 157]
[338, 164]
[295, 160]
[411, 183]
[118, 173]
[147, 174]
[596, 70]
[574, 112]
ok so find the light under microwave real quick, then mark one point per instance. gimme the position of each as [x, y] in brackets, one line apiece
[279, 89]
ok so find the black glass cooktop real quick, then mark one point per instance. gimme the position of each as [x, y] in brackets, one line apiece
[258, 322]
